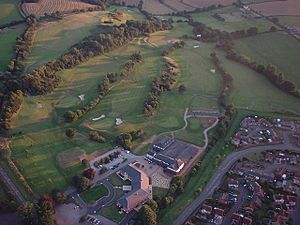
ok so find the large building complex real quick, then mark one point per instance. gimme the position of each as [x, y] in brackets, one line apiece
[141, 188]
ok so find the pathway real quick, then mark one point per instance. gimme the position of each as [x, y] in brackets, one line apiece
[12, 186]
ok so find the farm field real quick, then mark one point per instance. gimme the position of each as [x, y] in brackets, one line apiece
[7, 43]
[278, 8]
[52, 6]
[248, 2]
[73, 28]
[9, 11]
[90, 196]
[289, 21]
[234, 20]
[155, 7]
[205, 3]
[272, 48]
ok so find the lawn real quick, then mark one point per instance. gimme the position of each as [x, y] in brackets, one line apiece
[7, 44]
[233, 20]
[111, 211]
[9, 11]
[48, 42]
[193, 133]
[90, 196]
[278, 49]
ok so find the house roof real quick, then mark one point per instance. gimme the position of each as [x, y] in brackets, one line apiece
[140, 184]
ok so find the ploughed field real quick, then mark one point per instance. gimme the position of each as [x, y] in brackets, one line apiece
[157, 7]
[278, 8]
[52, 6]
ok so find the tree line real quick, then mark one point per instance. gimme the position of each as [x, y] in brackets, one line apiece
[125, 139]
[162, 83]
[104, 88]
[227, 83]
[44, 79]
[205, 33]
[173, 47]
[23, 48]
[270, 71]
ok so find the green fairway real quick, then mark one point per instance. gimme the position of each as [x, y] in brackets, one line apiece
[234, 20]
[193, 133]
[48, 42]
[264, 97]
[9, 11]
[278, 49]
[7, 44]
[90, 196]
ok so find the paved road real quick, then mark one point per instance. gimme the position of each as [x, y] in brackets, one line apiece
[11, 185]
[221, 171]
[127, 218]
[103, 201]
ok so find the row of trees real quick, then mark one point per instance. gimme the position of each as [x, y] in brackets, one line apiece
[104, 88]
[227, 81]
[270, 71]
[173, 47]
[108, 158]
[98, 136]
[41, 212]
[125, 139]
[83, 181]
[43, 79]
[160, 85]
[23, 48]
[208, 34]
[10, 105]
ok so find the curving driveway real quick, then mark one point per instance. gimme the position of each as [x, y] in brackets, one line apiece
[221, 171]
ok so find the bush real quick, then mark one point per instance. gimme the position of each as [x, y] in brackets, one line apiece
[70, 132]
[97, 136]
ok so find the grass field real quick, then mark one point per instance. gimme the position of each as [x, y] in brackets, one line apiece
[233, 20]
[90, 196]
[277, 48]
[7, 44]
[9, 11]
[193, 133]
[73, 28]
[289, 20]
